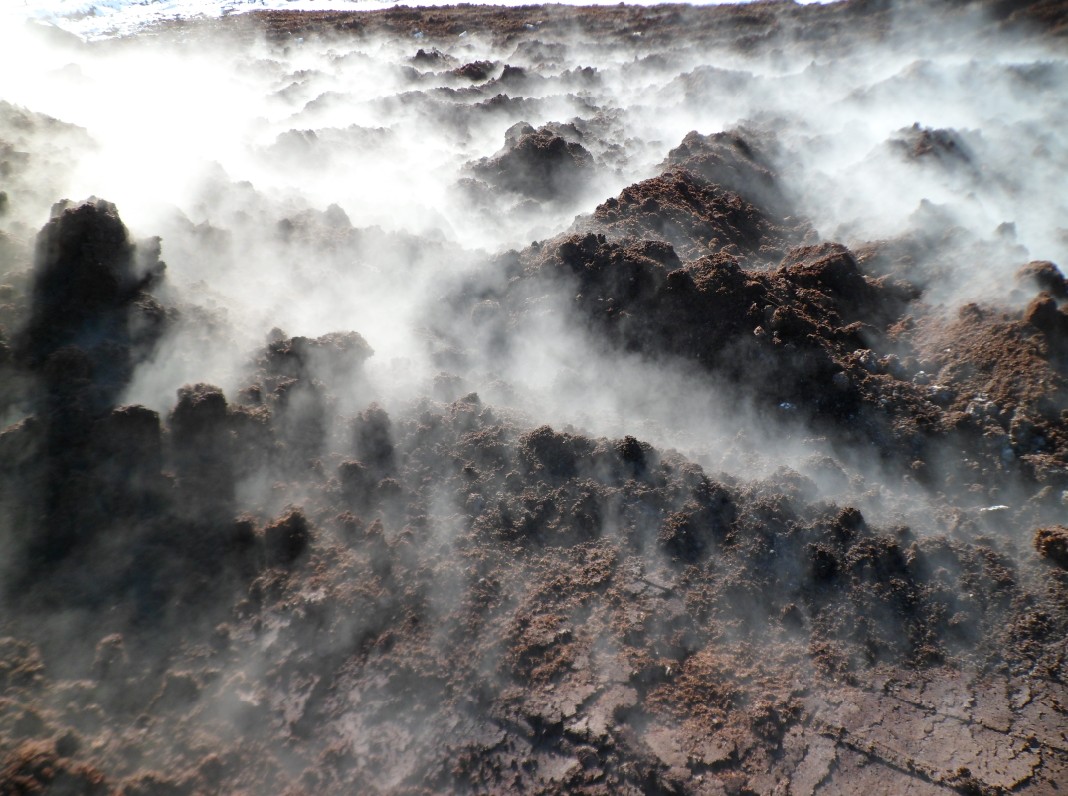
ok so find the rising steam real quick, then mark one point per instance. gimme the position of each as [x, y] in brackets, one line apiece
[467, 402]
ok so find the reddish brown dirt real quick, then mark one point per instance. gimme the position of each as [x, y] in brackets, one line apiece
[451, 597]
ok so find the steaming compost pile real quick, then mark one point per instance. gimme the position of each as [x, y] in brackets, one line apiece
[623, 400]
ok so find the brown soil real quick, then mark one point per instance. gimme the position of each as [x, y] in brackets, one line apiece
[451, 596]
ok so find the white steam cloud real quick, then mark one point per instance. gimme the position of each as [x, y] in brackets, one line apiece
[397, 185]
[211, 142]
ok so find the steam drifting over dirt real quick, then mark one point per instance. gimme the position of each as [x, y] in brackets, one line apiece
[621, 400]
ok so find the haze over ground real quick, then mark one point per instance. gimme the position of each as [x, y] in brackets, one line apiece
[96, 18]
[619, 400]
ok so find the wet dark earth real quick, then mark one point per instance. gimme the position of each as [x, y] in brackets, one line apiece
[322, 573]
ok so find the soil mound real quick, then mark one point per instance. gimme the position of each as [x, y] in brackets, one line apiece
[947, 147]
[695, 216]
[733, 161]
[538, 163]
[88, 293]
[715, 195]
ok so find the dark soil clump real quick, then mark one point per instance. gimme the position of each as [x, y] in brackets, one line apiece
[537, 163]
